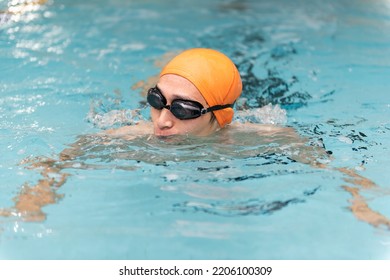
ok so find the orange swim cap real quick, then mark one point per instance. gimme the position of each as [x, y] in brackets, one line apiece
[213, 74]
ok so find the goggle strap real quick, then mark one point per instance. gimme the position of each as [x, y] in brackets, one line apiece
[216, 108]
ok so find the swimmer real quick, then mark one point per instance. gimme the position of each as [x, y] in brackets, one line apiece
[196, 100]
[194, 95]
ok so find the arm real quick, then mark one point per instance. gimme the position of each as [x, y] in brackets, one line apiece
[359, 205]
[86, 142]
[31, 199]
[316, 156]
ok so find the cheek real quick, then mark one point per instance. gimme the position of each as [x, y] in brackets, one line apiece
[197, 126]
[154, 113]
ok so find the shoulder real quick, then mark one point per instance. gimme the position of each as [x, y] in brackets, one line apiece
[261, 128]
[131, 131]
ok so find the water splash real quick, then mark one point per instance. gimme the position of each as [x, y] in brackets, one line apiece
[269, 114]
[108, 112]
[114, 118]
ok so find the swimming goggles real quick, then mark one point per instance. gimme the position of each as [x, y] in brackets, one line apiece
[180, 108]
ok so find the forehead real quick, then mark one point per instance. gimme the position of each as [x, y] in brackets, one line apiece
[176, 87]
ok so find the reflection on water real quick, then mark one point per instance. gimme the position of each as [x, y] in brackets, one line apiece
[33, 41]
[20, 10]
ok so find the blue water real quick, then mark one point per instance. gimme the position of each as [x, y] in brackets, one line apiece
[69, 68]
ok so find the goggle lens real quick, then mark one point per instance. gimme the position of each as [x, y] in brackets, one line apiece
[185, 110]
[156, 99]
[181, 109]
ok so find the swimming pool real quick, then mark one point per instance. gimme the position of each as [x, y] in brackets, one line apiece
[70, 69]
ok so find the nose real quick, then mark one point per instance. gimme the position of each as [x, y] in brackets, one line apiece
[165, 120]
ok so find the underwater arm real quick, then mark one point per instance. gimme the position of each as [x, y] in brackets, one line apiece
[359, 205]
[298, 148]
[318, 157]
[31, 199]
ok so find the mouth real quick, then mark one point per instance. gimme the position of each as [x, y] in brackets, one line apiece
[161, 133]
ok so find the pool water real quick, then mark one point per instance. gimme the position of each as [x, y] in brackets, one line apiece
[70, 69]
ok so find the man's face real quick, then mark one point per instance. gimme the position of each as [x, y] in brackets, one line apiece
[165, 123]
